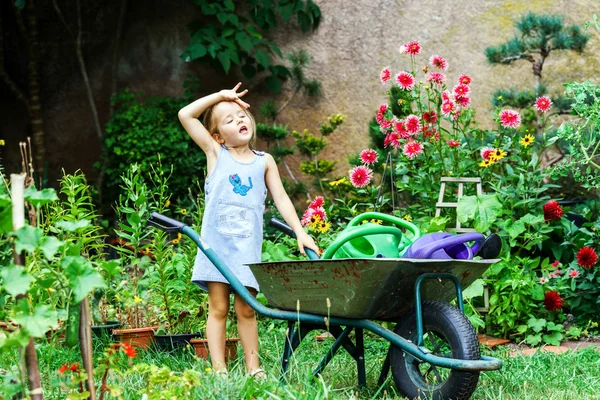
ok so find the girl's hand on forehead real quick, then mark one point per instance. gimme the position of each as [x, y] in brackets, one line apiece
[233, 95]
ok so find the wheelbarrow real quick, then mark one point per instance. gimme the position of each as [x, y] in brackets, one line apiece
[434, 351]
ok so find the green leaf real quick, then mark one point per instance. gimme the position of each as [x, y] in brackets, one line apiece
[249, 71]
[224, 60]
[196, 50]
[82, 277]
[49, 245]
[437, 224]
[475, 289]
[244, 41]
[514, 229]
[536, 324]
[72, 226]
[37, 323]
[28, 238]
[40, 197]
[15, 279]
[537, 293]
[484, 210]
[273, 83]
[533, 340]
[112, 267]
[532, 219]
[262, 58]
[553, 339]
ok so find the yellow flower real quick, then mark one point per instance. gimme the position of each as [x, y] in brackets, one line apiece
[183, 211]
[338, 182]
[400, 101]
[2, 143]
[497, 155]
[377, 221]
[117, 297]
[136, 299]
[486, 163]
[526, 140]
[314, 220]
[499, 97]
[208, 369]
[407, 218]
[167, 203]
[175, 241]
[324, 227]
[50, 290]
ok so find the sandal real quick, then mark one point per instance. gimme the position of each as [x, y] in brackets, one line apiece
[258, 374]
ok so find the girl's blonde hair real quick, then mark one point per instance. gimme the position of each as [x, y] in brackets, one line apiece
[211, 124]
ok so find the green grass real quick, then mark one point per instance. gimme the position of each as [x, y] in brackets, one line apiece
[573, 375]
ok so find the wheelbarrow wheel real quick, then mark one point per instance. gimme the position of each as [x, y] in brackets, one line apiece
[447, 333]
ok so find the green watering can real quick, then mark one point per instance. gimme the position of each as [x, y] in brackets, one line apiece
[371, 240]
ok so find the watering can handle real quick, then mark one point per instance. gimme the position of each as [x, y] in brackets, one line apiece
[387, 218]
[346, 236]
[450, 241]
[283, 227]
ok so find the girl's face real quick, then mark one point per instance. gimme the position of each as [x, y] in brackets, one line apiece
[235, 127]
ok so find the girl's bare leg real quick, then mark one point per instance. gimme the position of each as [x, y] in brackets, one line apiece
[248, 330]
[218, 308]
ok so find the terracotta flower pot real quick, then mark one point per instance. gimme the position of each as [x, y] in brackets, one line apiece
[201, 348]
[138, 337]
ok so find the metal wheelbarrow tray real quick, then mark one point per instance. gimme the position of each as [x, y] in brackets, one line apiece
[373, 288]
[433, 353]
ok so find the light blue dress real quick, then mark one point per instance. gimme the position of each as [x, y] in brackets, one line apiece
[232, 223]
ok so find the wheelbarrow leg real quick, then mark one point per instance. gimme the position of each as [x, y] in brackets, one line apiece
[360, 358]
[293, 338]
[341, 337]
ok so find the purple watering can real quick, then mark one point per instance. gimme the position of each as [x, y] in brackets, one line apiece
[445, 245]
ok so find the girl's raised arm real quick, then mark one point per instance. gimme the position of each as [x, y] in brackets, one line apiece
[188, 116]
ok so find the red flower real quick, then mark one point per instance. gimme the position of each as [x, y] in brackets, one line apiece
[430, 117]
[573, 273]
[385, 75]
[311, 213]
[405, 80]
[543, 104]
[360, 176]
[486, 152]
[317, 202]
[400, 129]
[383, 108]
[429, 131]
[128, 350]
[393, 139]
[412, 48]
[587, 257]
[463, 101]
[446, 95]
[552, 210]
[436, 77]
[448, 107]
[552, 301]
[556, 263]
[368, 156]
[385, 125]
[464, 80]
[413, 125]
[461, 90]
[510, 119]
[412, 149]
[453, 143]
[63, 368]
[74, 367]
[438, 62]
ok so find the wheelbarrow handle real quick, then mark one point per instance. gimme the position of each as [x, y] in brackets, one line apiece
[428, 250]
[285, 228]
[164, 223]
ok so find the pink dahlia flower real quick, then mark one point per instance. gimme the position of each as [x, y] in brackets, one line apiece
[368, 156]
[392, 139]
[360, 176]
[385, 75]
[464, 80]
[412, 149]
[510, 119]
[405, 80]
[400, 129]
[486, 152]
[385, 125]
[436, 77]
[463, 101]
[447, 107]
[413, 125]
[412, 48]
[438, 62]
[317, 202]
[461, 90]
[543, 104]
[453, 143]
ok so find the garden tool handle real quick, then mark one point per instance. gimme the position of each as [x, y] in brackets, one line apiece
[164, 223]
[346, 236]
[450, 241]
[285, 228]
[387, 218]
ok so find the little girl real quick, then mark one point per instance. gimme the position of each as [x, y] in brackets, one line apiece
[235, 189]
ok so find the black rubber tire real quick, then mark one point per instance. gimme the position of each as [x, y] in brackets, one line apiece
[443, 321]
